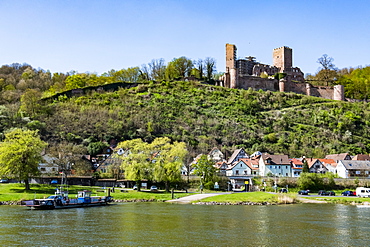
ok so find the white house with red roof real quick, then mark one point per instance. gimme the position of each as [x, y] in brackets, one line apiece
[315, 166]
[330, 164]
[297, 167]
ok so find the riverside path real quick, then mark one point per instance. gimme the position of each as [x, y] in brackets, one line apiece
[191, 198]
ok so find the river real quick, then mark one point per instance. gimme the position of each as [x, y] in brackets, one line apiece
[164, 224]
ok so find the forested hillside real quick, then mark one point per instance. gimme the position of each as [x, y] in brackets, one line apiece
[205, 116]
[202, 116]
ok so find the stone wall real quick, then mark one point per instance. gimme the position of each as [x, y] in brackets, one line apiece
[323, 92]
[258, 83]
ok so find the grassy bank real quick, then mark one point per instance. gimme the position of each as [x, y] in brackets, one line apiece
[16, 192]
[235, 198]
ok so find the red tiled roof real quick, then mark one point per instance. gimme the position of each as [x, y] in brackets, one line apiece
[311, 161]
[251, 163]
[296, 161]
[328, 161]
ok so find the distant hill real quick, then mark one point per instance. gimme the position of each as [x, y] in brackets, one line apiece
[205, 116]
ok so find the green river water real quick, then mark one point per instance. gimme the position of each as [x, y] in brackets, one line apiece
[164, 224]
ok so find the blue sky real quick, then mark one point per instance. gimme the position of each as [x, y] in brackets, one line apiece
[97, 36]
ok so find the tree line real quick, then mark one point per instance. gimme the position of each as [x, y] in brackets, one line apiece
[356, 81]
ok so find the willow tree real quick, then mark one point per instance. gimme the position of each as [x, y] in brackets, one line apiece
[20, 154]
[135, 160]
[160, 160]
[167, 160]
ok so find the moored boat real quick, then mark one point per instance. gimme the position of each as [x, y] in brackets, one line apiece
[61, 200]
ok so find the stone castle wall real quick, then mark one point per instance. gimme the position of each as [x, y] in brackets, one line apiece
[265, 84]
[245, 82]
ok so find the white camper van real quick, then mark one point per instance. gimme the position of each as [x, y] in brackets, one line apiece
[362, 192]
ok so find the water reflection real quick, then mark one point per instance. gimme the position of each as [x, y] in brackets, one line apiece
[161, 224]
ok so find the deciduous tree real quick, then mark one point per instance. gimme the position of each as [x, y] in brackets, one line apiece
[20, 154]
[168, 160]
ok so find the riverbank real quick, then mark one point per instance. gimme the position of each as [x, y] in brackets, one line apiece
[13, 194]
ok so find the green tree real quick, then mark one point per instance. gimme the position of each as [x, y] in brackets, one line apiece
[20, 154]
[312, 181]
[305, 168]
[30, 102]
[135, 160]
[168, 160]
[328, 72]
[179, 68]
[205, 169]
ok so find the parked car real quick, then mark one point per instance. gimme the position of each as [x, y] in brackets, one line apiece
[283, 190]
[4, 180]
[330, 193]
[303, 192]
[326, 193]
[135, 187]
[348, 193]
[322, 193]
[153, 188]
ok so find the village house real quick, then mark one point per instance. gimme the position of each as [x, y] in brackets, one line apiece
[240, 174]
[221, 166]
[330, 164]
[353, 168]
[361, 157]
[297, 167]
[338, 157]
[237, 155]
[49, 165]
[216, 155]
[315, 166]
[275, 165]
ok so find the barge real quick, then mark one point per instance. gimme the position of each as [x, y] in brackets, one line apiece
[61, 200]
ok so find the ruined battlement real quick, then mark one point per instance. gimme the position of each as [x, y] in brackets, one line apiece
[246, 73]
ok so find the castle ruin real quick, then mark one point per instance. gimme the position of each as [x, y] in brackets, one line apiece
[247, 73]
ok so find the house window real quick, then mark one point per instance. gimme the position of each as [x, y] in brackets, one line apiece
[366, 172]
[279, 167]
[286, 174]
[53, 169]
[237, 172]
[241, 165]
[43, 169]
[358, 172]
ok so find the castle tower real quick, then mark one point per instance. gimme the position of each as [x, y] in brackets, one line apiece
[283, 58]
[230, 56]
[231, 70]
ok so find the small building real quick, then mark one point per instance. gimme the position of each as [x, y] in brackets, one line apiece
[49, 165]
[330, 164]
[237, 155]
[216, 155]
[315, 166]
[221, 166]
[275, 165]
[361, 157]
[353, 168]
[297, 167]
[338, 157]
